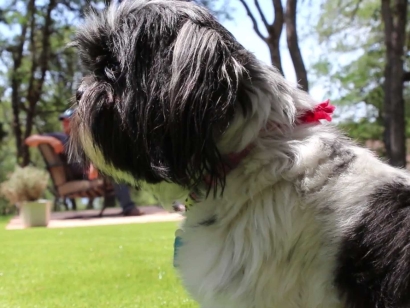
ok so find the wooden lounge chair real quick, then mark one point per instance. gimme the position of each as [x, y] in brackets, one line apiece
[65, 187]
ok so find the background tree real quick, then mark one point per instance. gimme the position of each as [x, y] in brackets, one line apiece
[394, 15]
[274, 29]
[39, 72]
[353, 68]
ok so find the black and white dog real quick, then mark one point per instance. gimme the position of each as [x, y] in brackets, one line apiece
[286, 211]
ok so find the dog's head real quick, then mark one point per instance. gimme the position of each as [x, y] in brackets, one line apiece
[166, 93]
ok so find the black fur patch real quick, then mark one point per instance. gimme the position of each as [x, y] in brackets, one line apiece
[346, 157]
[340, 158]
[374, 264]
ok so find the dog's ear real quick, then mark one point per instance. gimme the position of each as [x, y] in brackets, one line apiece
[203, 94]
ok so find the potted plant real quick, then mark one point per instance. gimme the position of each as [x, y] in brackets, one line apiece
[24, 188]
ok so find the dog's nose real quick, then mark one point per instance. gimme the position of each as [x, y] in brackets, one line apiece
[78, 95]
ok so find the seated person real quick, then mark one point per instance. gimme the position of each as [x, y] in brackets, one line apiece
[58, 140]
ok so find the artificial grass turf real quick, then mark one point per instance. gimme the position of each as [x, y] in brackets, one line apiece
[109, 266]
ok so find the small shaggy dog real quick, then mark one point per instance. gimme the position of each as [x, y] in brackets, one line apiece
[285, 210]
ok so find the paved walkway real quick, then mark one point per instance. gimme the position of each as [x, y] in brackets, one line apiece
[111, 216]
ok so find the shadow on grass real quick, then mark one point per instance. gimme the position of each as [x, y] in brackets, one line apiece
[93, 216]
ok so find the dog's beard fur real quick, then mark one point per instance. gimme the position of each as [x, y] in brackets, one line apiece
[306, 220]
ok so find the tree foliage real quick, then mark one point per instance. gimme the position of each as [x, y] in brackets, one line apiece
[353, 66]
[38, 72]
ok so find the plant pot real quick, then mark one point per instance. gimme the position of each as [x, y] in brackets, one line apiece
[35, 213]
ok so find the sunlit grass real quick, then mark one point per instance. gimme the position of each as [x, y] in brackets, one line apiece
[110, 266]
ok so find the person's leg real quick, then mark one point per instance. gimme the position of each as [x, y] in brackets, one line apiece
[124, 198]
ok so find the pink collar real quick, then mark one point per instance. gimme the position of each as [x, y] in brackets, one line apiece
[323, 111]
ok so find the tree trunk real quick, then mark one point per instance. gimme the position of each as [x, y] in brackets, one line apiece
[274, 34]
[36, 84]
[293, 45]
[274, 30]
[32, 79]
[394, 19]
[16, 79]
[273, 44]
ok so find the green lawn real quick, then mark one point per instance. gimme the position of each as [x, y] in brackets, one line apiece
[111, 266]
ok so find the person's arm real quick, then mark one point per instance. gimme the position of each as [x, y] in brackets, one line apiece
[92, 173]
[35, 140]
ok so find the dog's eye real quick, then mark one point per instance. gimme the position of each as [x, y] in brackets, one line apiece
[112, 70]
[114, 67]
[78, 95]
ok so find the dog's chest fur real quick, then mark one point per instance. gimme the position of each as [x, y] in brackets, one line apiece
[270, 254]
[260, 246]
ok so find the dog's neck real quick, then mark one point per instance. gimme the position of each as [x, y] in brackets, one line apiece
[323, 111]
